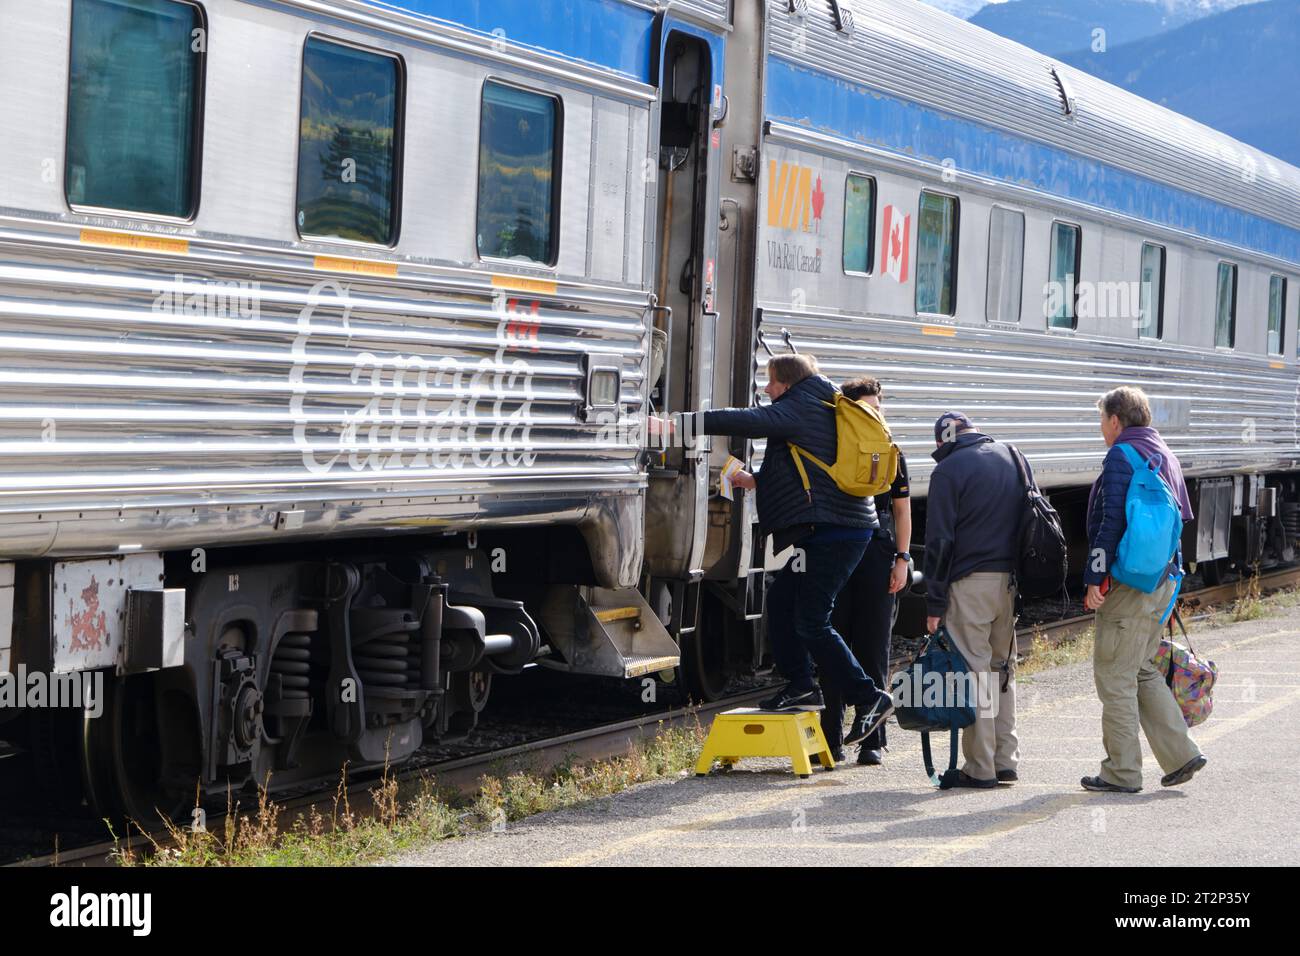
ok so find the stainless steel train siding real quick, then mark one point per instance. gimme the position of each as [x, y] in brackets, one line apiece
[172, 385]
[1220, 414]
[913, 51]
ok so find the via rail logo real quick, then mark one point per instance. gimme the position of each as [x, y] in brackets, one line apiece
[795, 203]
[794, 197]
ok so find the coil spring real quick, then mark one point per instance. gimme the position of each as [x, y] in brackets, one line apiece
[1291, 519]
[389, 660]
[292, 661]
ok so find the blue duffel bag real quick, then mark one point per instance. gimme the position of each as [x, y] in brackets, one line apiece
[916, 707]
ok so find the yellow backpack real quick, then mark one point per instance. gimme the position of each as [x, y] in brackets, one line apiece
[866, 458]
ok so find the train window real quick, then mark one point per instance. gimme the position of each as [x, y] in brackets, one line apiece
[1276, 314]
[1225, 312]
[1006, 265]
[348, 146]
[936, 255]
[518, 174]
[859, 224]
[135, 77]
[1063, 290]
[1151, 293]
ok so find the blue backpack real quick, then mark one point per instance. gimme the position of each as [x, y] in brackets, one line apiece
[1155, 525]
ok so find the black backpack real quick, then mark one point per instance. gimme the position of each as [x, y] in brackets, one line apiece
[1041, 562]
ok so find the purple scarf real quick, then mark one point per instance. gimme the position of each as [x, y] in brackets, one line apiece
[1147, 442]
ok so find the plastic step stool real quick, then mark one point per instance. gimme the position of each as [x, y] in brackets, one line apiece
[746, 732]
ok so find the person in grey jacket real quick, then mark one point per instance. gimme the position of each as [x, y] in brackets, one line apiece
[972, 524]
[829, 529]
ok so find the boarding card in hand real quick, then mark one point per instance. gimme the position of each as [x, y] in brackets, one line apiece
[729, 471]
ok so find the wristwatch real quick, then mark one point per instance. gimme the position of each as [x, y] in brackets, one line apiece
[902, 554]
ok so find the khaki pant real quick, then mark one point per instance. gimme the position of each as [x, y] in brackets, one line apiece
[1132, 690]
[981, 618]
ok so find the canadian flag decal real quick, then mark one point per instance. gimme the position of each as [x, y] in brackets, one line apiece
[895, 243]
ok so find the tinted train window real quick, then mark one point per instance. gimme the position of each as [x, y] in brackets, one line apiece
[1276, 314]
[1006, 265]
[348, 143]
[1225, 312]
[1063, 296]
[936, 255]
[1151, 293]
[518, 174]
[135, 74]
[859, 224]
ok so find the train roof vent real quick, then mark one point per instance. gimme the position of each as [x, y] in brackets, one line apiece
[1064, 92]
[842, 16]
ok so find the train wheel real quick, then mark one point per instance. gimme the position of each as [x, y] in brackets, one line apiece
[122, 753]
[704, 653]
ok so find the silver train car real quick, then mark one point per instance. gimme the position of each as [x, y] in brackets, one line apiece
[329, 330]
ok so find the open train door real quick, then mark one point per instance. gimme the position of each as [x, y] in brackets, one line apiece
[692, 108]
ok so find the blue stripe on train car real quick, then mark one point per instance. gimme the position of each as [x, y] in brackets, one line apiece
[860, 114]
[607, 33]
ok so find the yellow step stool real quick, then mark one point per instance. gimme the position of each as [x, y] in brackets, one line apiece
[747, 732]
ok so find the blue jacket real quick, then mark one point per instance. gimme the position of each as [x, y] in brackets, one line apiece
[799, 416]
[972, 514]
[1106, 502]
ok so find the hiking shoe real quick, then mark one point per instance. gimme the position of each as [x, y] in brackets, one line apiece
[1184, 773]
[869, 757]
[1007, 776]
[867, 717]
[961, 778]
[794, 700]
[1105, 786]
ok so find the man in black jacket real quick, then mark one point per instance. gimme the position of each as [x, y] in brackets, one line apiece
[973, 511]
[828, 528]
[864, 610]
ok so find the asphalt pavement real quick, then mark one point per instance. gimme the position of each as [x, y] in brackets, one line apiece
[1242, 809]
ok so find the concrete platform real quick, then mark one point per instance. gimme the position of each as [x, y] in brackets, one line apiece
[1243, 809]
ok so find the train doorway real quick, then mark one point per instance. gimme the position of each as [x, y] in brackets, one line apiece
[691, 109]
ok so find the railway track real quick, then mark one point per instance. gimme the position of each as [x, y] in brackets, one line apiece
[608, 740]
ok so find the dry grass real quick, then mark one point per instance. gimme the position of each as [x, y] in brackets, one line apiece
[1045, 654]
[403, 815]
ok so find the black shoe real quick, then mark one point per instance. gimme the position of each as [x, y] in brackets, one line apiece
[836, 755]
[794, 700]
[1105, 786]
[1007, 776]
[867, 717]
[869, 758]
[1185, 772]
[961, 778]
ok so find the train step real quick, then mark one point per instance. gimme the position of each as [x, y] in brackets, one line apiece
[747, 732]
[607, 632]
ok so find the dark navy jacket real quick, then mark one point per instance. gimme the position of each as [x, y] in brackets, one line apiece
[1106, 519]
[972, 514]
[798, 416]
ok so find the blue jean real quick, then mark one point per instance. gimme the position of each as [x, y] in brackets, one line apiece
[799, 606]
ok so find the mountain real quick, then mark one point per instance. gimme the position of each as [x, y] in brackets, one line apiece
[960, 8]
[1057, 27]
[1238, 71]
